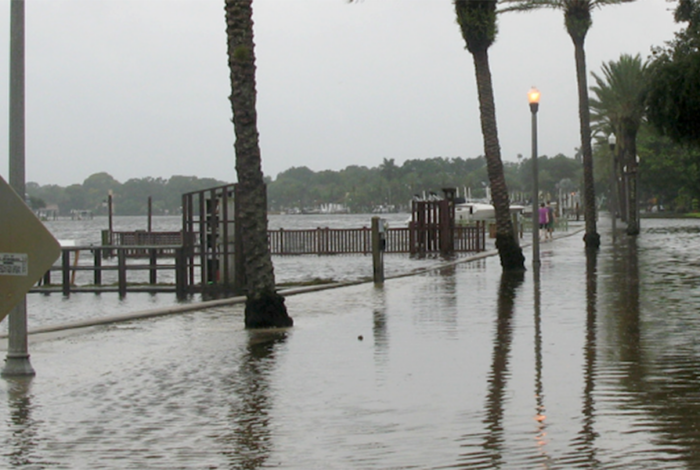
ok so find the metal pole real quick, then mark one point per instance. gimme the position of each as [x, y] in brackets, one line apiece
[150, 213]
[110, 209]
[17, 360]
[613, 187]
[535, 191]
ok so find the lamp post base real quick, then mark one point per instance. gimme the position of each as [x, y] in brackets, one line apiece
[17, 365]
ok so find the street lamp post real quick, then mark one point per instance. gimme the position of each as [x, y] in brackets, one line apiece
[612, 140]
[633, 196]
[533, 97]
[17, 359]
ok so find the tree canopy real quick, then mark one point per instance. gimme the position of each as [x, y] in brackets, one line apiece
[674, 90]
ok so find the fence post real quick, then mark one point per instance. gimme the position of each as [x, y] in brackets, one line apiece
[65, 271]
[377, 255]
[180, 274]
[97, 256]
[153, 261]
[121, 257]
[482, 236]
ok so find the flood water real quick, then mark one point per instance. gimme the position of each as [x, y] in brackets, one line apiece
[592, 362]
[54, 308]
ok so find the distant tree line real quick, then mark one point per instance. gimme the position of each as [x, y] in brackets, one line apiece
[129, 198]
[362, 189]
[669, 177]
[359, 188]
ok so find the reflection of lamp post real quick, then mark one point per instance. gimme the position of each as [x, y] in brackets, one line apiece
[612, 140]
[533, 96]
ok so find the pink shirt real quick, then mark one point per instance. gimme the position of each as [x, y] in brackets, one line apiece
[544, 215]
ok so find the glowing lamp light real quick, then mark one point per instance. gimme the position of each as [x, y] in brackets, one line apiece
[533, 96]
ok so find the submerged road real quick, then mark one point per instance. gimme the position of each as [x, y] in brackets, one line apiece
[590, 363]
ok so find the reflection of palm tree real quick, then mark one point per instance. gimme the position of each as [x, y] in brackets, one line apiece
[584, 443]
[510, 281]
[629, 327]
[249, 439]
[659, 379]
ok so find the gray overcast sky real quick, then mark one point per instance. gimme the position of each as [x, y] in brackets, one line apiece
[140, 88]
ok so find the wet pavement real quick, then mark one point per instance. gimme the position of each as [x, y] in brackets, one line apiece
[592, 362]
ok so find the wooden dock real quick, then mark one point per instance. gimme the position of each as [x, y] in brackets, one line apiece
[136, 264]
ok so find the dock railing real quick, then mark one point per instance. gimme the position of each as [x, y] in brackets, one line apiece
[133, 242]
[120, 273]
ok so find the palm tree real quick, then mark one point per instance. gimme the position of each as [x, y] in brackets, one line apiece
[577, 18]
[620, 106]
[264, 306]
[477, 21]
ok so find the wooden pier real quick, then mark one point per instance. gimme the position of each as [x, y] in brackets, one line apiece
[156, 268]
[206, 256]
[119, 273]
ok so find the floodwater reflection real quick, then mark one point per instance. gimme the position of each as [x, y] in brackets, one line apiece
[591, 362]
[249, 442]
[584, 442]
[22, 438]
[380, 329]
[493, 445]
[540, 410]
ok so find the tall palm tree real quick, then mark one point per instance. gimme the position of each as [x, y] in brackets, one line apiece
[620, 103]
[577, 19]
[477, 21]
[264, 306]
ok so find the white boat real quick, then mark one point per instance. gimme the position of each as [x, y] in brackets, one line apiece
[466, 212]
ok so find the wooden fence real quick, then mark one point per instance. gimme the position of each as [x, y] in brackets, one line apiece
[329, 241]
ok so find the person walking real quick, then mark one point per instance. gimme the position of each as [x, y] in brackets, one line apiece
[550, 220]
[543, 219]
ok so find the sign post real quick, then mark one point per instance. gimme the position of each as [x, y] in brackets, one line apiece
[27, 251]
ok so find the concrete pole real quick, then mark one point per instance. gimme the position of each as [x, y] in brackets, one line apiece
[17, 360]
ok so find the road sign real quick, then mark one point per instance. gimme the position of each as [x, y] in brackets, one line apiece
[27, 249]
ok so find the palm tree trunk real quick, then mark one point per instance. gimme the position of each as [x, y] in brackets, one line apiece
[509, 250]
[264, 307]
[591, 238]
